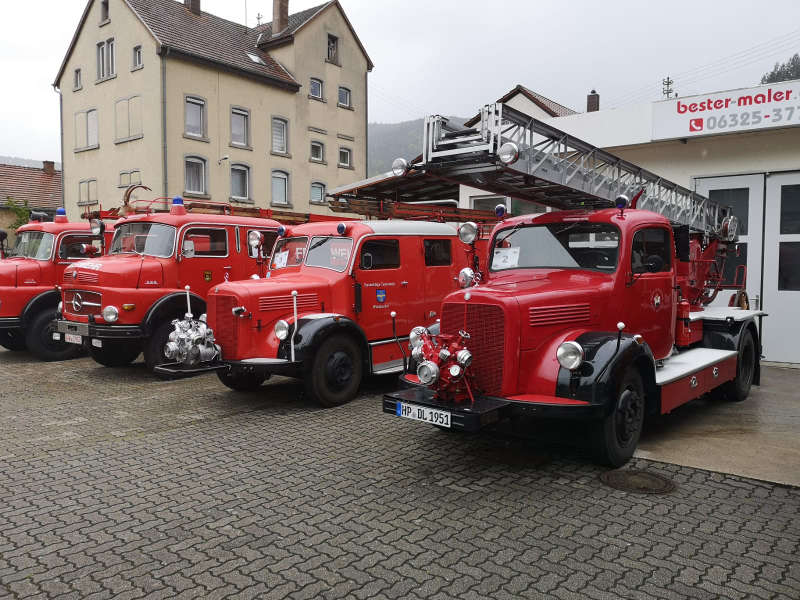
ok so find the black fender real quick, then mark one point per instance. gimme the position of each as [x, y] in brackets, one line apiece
[35, 305]
[727, 335]
[606, 358]
[168, 306]
[312, 332]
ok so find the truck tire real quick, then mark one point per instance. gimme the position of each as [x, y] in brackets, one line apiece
[241, 382]
[617, 434]
[40, 342]
[154, 347]
[738, 389]
[12, 339]
[335, 372]
[116, 353]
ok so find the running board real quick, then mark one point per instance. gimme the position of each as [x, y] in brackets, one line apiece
[689, 362]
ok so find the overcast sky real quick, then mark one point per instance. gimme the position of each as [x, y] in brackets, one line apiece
[452, 56]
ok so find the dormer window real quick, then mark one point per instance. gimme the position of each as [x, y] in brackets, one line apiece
[333, 49]
[104, 11]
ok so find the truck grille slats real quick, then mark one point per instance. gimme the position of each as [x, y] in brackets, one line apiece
[556, 315]
[486, 326]
[275, 303]
[87, 277]
[81, 302]
[226, 328]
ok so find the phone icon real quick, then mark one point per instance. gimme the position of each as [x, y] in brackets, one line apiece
[695, 124]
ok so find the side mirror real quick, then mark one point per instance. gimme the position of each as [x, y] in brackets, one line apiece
[654, 263]
[3, 235]
[188, 249]
[366, 261]
[88, 250]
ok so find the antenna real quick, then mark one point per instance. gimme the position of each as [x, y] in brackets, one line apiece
[666, 87]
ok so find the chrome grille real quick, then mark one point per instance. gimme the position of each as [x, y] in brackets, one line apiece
[486, 327]
[557, 315]
[86, 276]
[81, 302]
[275, 303]
[226, 326]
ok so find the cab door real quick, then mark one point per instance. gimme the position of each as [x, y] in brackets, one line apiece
[206, 257]
[651, 295]
[440, 275]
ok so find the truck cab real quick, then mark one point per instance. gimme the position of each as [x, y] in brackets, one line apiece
[28, 279]
[122, 304]
[337, 303]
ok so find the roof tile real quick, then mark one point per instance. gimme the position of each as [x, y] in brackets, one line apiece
[26, 184]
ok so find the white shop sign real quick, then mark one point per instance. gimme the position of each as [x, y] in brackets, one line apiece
[762, 107]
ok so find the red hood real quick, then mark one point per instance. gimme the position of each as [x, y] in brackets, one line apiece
[271, 298]
[20, 272]
[107, 271]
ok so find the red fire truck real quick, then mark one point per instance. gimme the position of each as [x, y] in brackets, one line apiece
[28, 278]
[597, 310]
[337, 303]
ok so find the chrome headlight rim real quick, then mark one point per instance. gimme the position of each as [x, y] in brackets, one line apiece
[281, 329]
[96, 226]
[570, 355]
[468, 232]
[110, 314]
[466, 277]
[255, 239]
[508, 153]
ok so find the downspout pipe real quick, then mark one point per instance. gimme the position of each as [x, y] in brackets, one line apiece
[61, 137]
[164, 53]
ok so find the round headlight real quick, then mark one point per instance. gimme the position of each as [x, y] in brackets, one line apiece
[281, 330]
[570, 355]
[415, 337]
[466, 277]
[255, 239]
[455, 371]
[467, 232]
[110, 314]
[427, 372]
[508, 153]
[464, 357]
[399, 167]
[97, 226]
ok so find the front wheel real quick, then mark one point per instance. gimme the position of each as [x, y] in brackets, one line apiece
[115, 353]
[241, 382]
[12, 339]
[335, 371]
[618, 433]
[39, 338]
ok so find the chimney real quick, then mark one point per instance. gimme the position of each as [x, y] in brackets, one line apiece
[49, 167]
[593, 101]
[192, 5]
[280, 16]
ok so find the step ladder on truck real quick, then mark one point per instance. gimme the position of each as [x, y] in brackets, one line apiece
[597, 310]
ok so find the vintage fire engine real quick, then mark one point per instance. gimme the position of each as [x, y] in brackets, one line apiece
[597, 310]
[338, 303]
[28, 278]
[122, 304]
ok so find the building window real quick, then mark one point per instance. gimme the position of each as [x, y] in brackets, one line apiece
[86, 130]
[280, 135]
[317, 151]
[195, 168]
[315, 88]
[333, 49]
[317, 193]
[240, 127]
[344, 97]
[345, 157]
[240, 182]
[280, 188]
[106, 63]
[104, 11]
[128, 119]
[195, 117]
[77, 84]
[127, 178]
[87, 192]
[137, 58]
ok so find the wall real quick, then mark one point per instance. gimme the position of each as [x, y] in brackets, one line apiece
[6, 219]
[106, 162]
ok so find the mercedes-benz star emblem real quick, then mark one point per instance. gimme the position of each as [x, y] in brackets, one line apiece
[77, 302]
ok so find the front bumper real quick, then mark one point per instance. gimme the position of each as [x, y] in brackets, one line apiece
[261, 366]
[92, 330]
[10, 322]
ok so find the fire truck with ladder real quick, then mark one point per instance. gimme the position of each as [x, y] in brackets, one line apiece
[28, 278]
[597, 310]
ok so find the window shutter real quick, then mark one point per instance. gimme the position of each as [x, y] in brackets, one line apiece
[121, 122]
[91, 128]
[135, 115]
[80, 130]
[278, 135]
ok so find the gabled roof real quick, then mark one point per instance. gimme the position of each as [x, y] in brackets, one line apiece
[296, 21]
[32, 185]
[551, 107]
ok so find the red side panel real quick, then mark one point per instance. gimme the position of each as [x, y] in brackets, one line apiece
[543, 399]
[695, 385]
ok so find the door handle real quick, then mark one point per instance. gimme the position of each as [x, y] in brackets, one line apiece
[403, 283]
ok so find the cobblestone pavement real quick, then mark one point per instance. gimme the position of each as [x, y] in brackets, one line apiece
[114, 485]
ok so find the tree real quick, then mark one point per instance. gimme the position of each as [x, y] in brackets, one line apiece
[784, 71]
[21, 212]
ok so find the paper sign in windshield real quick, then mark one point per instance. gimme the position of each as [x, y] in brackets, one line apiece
[280, 259]
[505, 258]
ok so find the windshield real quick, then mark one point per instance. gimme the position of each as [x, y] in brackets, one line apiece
[289, 252]
[34, 244]
[581, 245]
[152, 239]
[329, 253]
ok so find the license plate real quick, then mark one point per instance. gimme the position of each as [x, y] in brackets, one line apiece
[424, 414]
[72, 338]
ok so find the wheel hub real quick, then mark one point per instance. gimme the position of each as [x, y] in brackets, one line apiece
[628, 417]
[339, 370]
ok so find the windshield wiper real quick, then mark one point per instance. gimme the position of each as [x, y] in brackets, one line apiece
[318, 244]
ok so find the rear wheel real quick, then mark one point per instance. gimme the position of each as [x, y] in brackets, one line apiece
[116, 353]
[39, 338]
[335, 372]
[12, 339]
[738, 389]
[241, 382]
[618, 433]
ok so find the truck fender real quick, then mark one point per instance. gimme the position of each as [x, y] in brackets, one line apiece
[727, 335]
[48, 299]
[607, 357]
[311, 332]
[168, 307]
